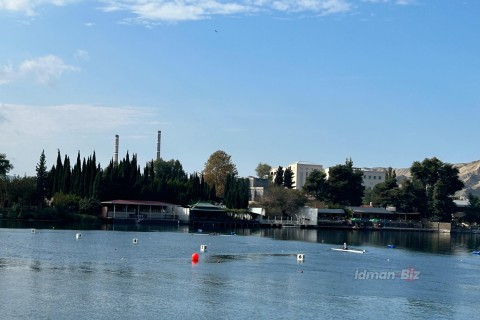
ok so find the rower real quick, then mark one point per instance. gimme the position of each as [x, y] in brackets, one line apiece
[345, 246]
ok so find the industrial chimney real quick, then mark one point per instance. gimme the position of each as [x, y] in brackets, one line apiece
[115, 150]
[158, 144]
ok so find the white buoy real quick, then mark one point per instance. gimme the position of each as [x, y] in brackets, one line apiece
[300, 257]
[33, 231]
[203, 248]
[135, 241]
[78, 236]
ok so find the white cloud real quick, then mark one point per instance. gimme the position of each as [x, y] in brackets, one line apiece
[25, 121]
[25, 6]
[7, 74]
[27, 129]
[182, 10]
[28, 6]
[153, 11]
[44, 70]
[399, 2]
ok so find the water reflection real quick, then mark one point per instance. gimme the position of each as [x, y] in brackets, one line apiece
[434, 242]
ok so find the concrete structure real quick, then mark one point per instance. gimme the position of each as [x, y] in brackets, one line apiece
[372, 177]
[159, 137]
[115, 150]
[257, 188]
[301, 170]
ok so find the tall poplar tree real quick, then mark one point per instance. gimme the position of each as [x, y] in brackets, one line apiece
[278, 180]
[288, 176]
[42, 176]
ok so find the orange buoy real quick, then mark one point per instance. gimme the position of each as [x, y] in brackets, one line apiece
[195, 257]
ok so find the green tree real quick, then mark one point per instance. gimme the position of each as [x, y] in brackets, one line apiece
[316, 185]
[411, 197]
[278, 179]
[5, 165]
[288, 176]
[218, 166]
[169, 170]
[236, 192]
[472, 212]
[440, 181]
[18, 192]
[263, 170]
[278, 200]
[42, 176]
[345, 185]
[386, 193]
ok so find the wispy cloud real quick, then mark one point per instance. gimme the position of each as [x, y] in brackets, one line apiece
[28, 6]
[398, 2]
[181, 10]
[82, 55]
[43, 70]
[7, 74]
[21, 122]
[27, 129]
[157, 11]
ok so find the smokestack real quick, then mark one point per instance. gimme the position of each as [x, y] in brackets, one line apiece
[158, 144]
[115, 150]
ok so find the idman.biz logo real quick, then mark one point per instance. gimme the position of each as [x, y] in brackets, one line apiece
[408, 274]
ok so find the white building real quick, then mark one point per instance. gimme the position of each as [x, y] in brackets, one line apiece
[301, 170]
[372, 177]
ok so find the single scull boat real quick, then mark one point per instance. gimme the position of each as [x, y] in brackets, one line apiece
[348, 250]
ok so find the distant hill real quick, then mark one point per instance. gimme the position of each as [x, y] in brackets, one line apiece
[469, 173]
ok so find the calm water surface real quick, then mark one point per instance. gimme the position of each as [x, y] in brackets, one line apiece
[254, 275]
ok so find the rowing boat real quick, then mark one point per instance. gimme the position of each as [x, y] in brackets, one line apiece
[348, 250]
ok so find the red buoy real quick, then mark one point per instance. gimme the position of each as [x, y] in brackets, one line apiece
[195, 257]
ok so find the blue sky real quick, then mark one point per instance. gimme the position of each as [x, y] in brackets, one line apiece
[383, 82]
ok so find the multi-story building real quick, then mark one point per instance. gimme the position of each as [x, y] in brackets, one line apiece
[372, 177]
[301, 170]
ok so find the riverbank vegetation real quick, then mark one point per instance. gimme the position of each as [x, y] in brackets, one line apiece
[72, 191]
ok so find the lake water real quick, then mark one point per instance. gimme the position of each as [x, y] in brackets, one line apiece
[255, 274]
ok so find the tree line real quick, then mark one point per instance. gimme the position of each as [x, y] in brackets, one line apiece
[80, 187]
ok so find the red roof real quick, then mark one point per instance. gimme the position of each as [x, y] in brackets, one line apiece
[138, 203]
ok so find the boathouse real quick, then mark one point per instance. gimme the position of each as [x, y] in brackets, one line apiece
[139, 211]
